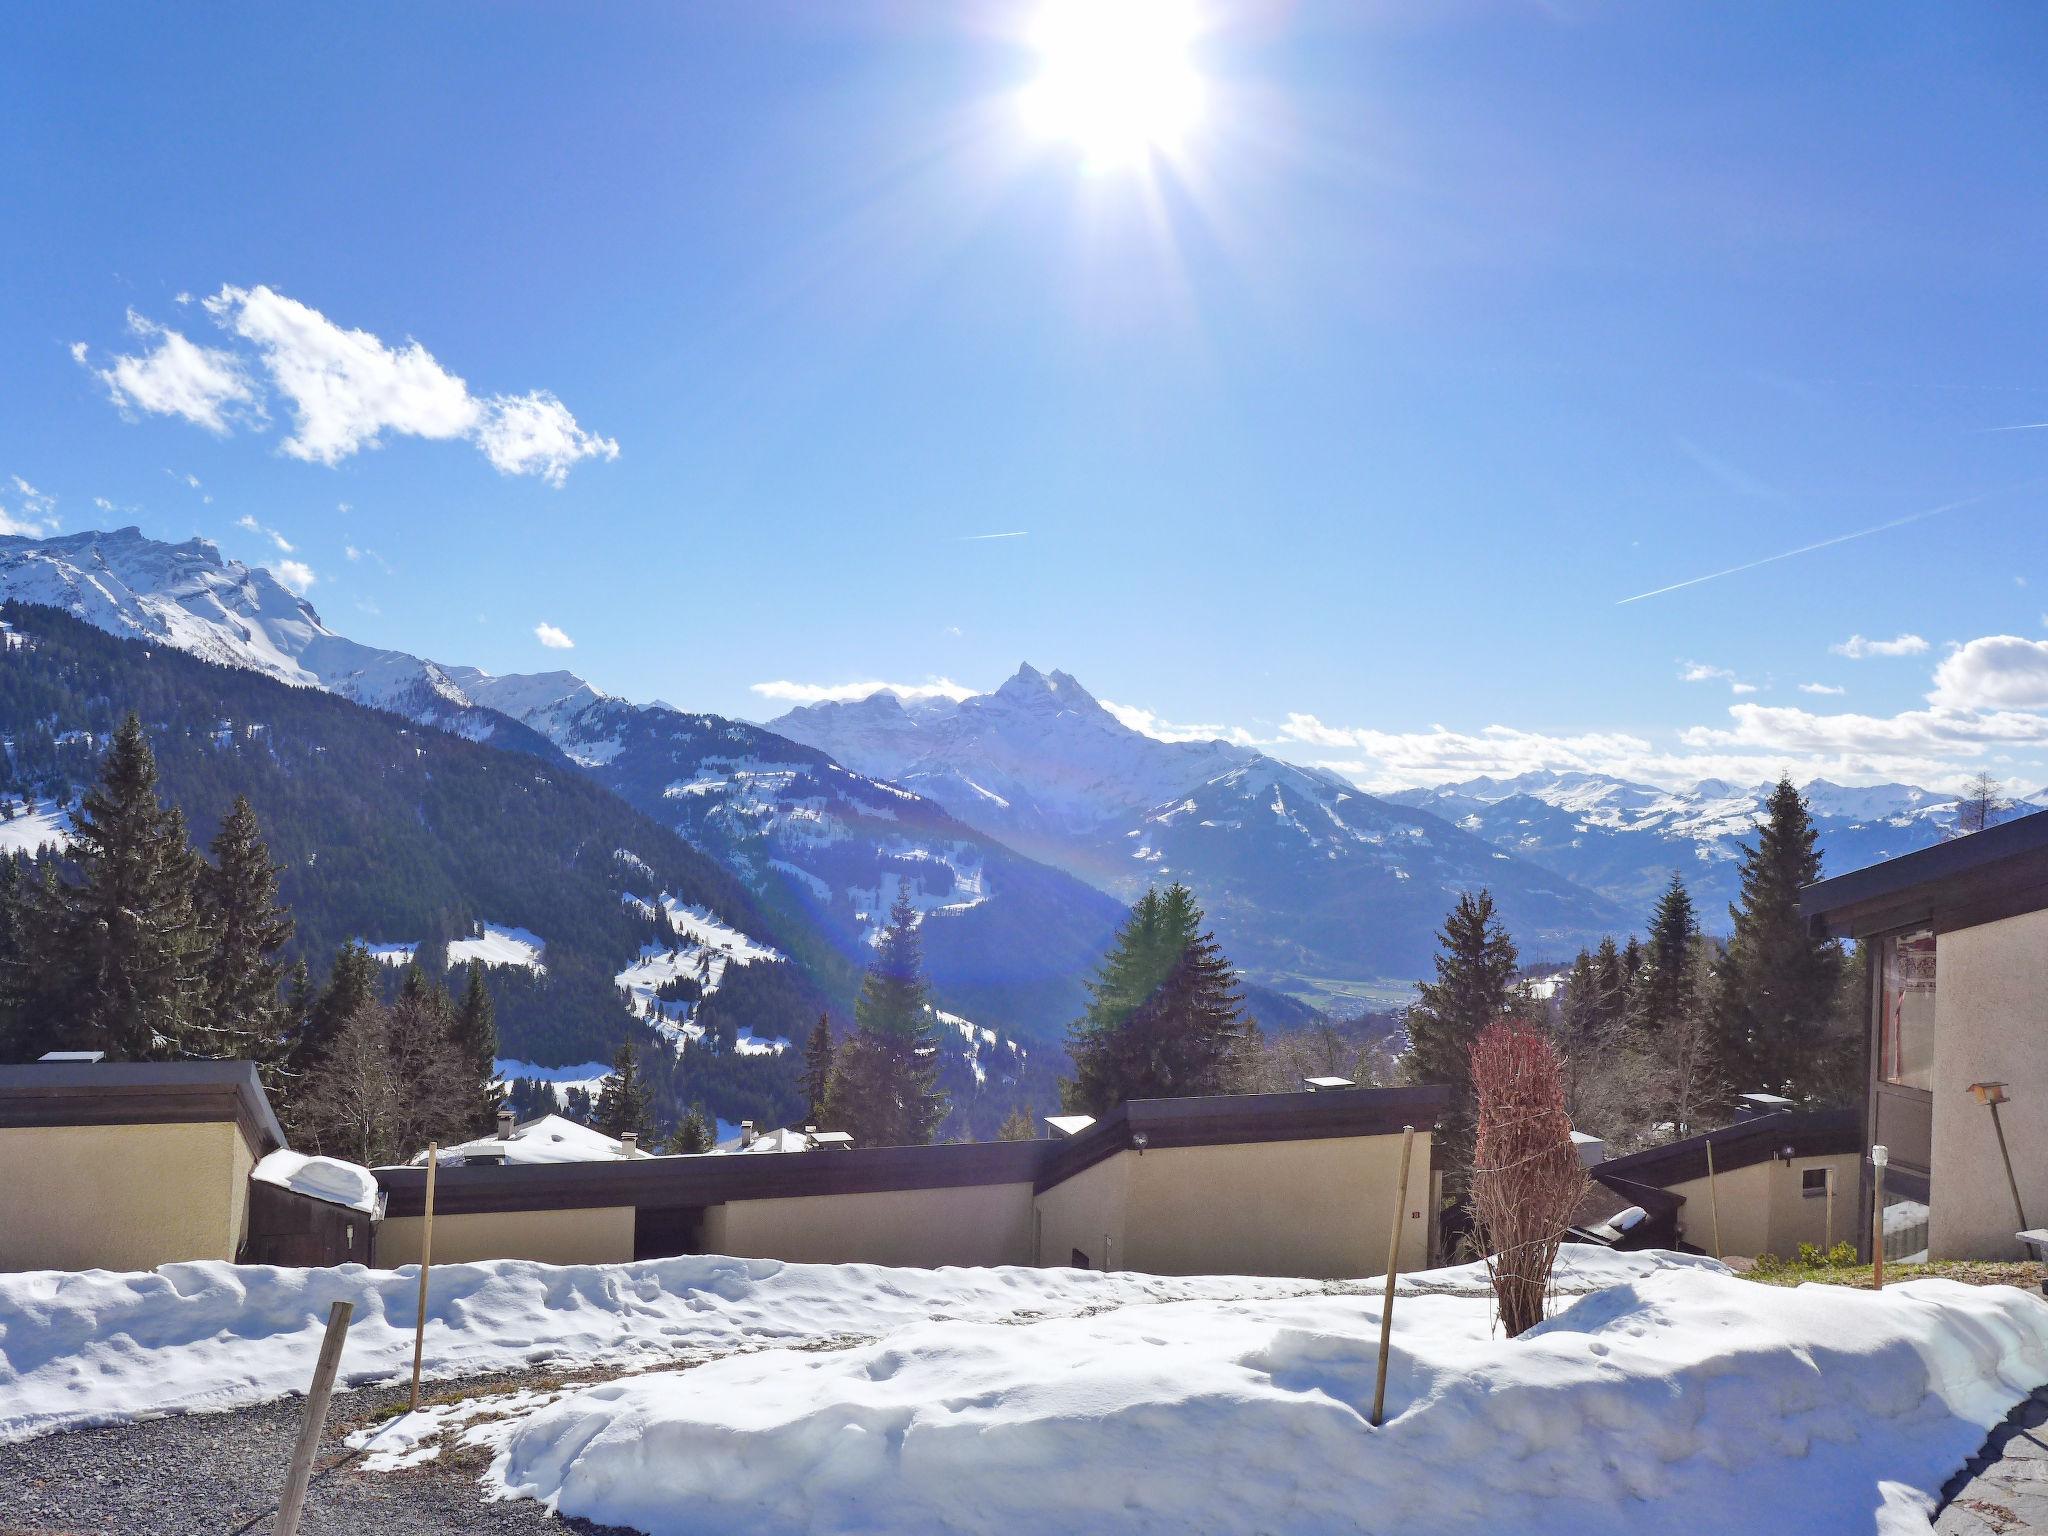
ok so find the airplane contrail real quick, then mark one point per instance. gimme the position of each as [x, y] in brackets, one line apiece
[972, 538]
[1804, 549]
[2025, 426]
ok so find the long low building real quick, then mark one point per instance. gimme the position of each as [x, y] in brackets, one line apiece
[132, 1165]
[1266, 1184]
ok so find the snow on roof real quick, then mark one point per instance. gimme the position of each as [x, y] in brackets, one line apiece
[550, 1139]
[1069, 1125]
[322, 1178]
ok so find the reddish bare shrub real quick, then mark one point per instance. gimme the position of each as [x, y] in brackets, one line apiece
[1526, 1175]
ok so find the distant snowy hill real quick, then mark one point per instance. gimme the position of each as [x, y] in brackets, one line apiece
[1314, 886]
[1624, 839]
[1008, 941]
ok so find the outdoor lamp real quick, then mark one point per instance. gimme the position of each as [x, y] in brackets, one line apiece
[1138, 1140]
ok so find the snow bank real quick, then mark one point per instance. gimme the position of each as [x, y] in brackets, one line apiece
[1685, 1400]
[97, 1347]
[324, 1178]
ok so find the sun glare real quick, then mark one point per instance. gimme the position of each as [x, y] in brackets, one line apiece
[1115, 78]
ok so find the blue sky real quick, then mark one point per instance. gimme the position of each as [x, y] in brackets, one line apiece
[1344, 419]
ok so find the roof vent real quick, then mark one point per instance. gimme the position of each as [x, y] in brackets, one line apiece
[1326, 1084]
[746, 1134]
[505, 1123]
[1755, 1104]
[73, 1056]
[629, 1144]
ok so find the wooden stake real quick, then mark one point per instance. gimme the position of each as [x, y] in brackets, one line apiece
[1713, 1199]
[419, 1327]
[293, 1501]
[1379, 1390]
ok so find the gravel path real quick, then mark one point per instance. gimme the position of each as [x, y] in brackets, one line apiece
[218, 1474]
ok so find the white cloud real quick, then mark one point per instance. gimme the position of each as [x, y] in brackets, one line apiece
[1396, 759]
[283, 544]
[1920, 732]
[785, 692]
[1856, 648]
[1994, 672]
[296, 575]
[534, 434]
[1822, 688]
[1146, 723]
[33, 514]
[553, 638]
[348, 389]
[1700, 672]
[207, 386]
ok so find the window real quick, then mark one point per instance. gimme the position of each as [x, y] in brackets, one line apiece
[1906, 1009]
[1813, 1182]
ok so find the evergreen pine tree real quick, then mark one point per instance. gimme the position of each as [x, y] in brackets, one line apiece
[1474, 987]
[884, 1088]
[694, 1134]
[1776, 982]
[351, 982]
[1611, 996]
[817, 1070]
[1164, 1018]
[476, 1040]
[126, 941]
[1665, 993]
[1017, 1126]
[622, 1099]
[241, 1010]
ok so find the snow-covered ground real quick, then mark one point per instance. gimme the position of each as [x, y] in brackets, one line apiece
[705, 947]
[34, 826]
[1668, 1396]
[395, 953]
[500, 945]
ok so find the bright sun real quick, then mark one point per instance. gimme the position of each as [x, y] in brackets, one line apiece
[1115, 78]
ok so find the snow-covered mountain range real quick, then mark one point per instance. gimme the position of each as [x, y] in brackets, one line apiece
[1314, 886]
[1625, 839]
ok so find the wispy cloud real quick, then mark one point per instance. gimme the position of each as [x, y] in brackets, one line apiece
[296, 575]
[1857, 648]
[1822, 688]
[33, 513]
[347, 389]
[1804, 549]
[785, 692]
[1700, 672]
[284, 545]
[553, 638]
[1146, 723]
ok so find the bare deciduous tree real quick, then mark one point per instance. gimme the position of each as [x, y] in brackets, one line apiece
[1526, 1175]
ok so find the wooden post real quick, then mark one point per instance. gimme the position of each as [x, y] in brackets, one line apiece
[1713, 1198]
[1830, 1235]
[1879, 1157]
[293, 1501]
[1379, 1390]
[419, 1327]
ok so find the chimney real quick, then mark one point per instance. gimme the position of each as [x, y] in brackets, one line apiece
[629, 1143]
[746, 1134]
[504, 1125]
[810, 1130]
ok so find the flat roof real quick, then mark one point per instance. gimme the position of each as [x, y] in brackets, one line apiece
[713, 1179]
[53, 1093]
[1809, 1133]
[1999, 872]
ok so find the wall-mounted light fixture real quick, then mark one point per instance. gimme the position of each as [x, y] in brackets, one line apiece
[1139, 1140]
[1785, 1156]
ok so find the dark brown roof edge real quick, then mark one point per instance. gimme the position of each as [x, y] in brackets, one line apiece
[141, 1093]
[1817, 1133]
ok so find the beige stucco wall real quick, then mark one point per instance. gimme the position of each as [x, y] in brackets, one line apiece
[1086, 1213]
[603, 1235]
[1991, 1025]
[980, 1224]
[1314, 1208]
[121, 1196]
[1764, 1209]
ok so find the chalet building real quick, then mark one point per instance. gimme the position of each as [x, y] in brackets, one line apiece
[1779, 1179]
[1957, 940]
[132, 1165]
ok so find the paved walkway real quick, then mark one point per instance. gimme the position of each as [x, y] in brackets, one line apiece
[2004, 1489]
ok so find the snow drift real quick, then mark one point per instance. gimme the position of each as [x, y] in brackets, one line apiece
[1682, 1400]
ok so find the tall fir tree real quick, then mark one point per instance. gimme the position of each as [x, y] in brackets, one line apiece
[623, 1102]
[1474, 987]
[1664, 995]
[885, 1077]
[126, 943]
[694, 1133]
[476, 1039]
[1164, 1018]
[1017, 1126]
[1611, 997]
[351, 982]
[1776, 982]
[241, 1006]
[818, 1070]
